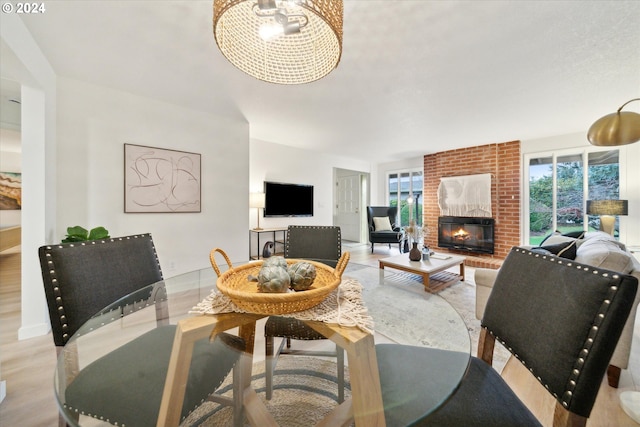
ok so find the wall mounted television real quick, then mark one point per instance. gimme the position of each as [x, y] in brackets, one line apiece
[282, 200]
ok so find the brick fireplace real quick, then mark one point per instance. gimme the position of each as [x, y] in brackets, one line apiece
[503, 162]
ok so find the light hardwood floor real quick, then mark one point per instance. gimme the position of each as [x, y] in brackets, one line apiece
[27, 366]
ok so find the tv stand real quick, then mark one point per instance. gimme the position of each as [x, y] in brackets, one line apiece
[257, 241]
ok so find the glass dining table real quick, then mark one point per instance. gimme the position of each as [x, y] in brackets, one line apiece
[401, 311]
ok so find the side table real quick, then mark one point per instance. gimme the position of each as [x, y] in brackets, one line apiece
[277, 235]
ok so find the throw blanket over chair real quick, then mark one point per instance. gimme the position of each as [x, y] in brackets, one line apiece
[80, 279]
[382, 226]
[316, 243]
[561, 319]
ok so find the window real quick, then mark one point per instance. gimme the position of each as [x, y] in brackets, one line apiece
[559, 186]
[401, 186]
[604, 182]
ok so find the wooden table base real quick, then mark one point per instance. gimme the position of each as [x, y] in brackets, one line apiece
[365, 407]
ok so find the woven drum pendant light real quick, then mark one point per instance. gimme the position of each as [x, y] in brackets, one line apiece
[308, 49]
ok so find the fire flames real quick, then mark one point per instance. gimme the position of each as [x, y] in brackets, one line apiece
[461, 234]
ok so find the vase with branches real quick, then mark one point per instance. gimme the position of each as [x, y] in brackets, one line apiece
[416, 233]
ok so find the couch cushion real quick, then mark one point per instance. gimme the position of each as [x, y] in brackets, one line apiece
[601, 236]
[564, 249]
[555, 238]
[602, 252]
[382, 223]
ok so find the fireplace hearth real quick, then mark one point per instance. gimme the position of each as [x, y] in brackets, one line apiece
[469, 234]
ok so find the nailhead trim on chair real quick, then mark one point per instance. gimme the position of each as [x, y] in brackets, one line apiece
[56, 287]
[577, 369]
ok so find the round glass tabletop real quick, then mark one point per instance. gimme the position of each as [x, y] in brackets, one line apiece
[402, 313]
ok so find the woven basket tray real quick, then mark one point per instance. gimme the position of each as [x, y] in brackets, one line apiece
[234, 284]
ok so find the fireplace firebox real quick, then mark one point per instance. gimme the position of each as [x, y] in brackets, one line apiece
[466, 233]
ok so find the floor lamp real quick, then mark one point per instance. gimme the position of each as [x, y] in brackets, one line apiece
[619, 128]
[607, 209]
[256, 200]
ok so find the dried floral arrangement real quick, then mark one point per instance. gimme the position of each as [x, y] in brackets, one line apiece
[416, 233]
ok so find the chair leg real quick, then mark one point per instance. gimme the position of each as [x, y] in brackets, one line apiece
[613, 376]
[238, 395]
[271, 359]
[268, 366]
[371, 247]
[340, 356]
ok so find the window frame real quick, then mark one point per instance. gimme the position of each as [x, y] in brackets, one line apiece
[583, 152]
[398, 173]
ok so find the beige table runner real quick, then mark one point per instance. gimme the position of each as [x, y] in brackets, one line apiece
[343, 306]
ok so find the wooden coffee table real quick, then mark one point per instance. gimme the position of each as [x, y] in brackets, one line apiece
[432, 271]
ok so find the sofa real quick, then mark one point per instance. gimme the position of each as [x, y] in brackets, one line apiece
[597, 249]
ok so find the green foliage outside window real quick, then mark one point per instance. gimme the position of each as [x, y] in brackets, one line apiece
[404, 212]
[603, 183]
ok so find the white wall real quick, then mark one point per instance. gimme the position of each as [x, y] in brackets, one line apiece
[280, 163]
[10, 162]
[95, 122]
[23, 62]
[629, 175]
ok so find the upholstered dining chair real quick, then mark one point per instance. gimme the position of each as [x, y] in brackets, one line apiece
[80, 279]
[316, 243]
[560, 319]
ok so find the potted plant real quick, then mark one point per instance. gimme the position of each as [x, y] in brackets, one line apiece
[80, 234]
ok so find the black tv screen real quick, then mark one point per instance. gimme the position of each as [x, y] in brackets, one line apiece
[287, 199]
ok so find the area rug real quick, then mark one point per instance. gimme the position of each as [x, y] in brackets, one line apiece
[305, 390]
[461, 296]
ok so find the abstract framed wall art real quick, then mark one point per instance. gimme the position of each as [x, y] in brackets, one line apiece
[10, 191]
[161, 180]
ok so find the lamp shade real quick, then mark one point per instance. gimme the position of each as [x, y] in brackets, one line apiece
[619, 128]
[308, 45]
[607, 207]
[256, 200]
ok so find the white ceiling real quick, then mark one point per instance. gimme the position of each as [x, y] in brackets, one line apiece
[415, 77]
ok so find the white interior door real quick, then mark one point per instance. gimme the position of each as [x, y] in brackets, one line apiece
[348, 207]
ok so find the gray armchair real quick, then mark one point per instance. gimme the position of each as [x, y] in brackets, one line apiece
[560, 319]
[80, 279]
[393, 235]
